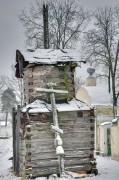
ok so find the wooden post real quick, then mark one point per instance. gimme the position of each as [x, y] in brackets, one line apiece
[6, 118]
[17, 138]
[14, 138]
[58, 140]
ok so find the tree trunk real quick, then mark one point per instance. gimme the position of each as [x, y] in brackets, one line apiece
[109, 85]
[114, 94]
[6, 118]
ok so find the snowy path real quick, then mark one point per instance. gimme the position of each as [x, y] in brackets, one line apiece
[108, 169]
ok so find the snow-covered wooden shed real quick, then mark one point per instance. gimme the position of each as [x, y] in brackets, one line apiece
[36, 153]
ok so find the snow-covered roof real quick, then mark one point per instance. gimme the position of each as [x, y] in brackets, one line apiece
[50, 56]
[39, 106]
[115, 121]
[105, 123]
[99, 95]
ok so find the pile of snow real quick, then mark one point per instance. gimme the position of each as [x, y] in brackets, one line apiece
[108, 169]
[115, 120]
[6, 164]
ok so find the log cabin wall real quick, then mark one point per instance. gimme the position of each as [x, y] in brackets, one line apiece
[39, 75]
[37, 149]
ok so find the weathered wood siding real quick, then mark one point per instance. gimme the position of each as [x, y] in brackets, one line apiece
[39, 76]
[37, 149]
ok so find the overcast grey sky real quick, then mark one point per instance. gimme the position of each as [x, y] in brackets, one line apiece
[12, 33]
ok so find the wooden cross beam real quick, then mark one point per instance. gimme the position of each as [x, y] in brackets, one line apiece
[51, 91]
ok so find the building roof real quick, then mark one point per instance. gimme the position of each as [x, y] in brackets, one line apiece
[94, 95]
[39, 106]
[106, 124]
[115, 121]
[99, 95]
[50, 56]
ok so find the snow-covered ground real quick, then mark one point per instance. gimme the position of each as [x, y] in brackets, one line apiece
[108, 169]
[5, 163]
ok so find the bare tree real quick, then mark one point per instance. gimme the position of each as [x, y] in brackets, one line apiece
[79, 81]
[2, 87]
[66, 21]
[11, 93]
[2, 83]
[8, 100]
[102, 44]
[17, 86]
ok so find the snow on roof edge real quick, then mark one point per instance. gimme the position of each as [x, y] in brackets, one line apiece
[39, 106]
[51, 56]
[105, 123]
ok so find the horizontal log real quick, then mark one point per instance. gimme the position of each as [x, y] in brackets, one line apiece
[62, 122]
[52, 148]
[67, 133]
[55, 162]
[63, 117]
[43, 171]
[55, 170]
[69, 138]
[37, 157]
[78, 127]
[78, 145]
[51, 91]
[71, 129]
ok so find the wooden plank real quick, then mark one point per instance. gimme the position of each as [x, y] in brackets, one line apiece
[51, 149]
[78, 127]
[75, 123]
[43, 163]
[78, 167]
[67, 129]
[54, 170]
[14, 137]
[69, 139]
[17, 139]
[54, 162]
[79, 145]
[34, 148]
[37, 157]
[43, 171]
